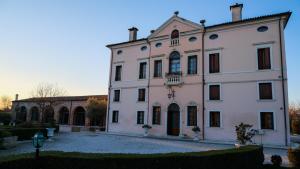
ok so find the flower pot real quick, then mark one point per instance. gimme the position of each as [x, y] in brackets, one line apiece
[146, 132]
[196, 136]
[50, 133]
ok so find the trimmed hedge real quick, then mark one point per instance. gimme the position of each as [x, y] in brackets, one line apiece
[249, 157]
[26, 133]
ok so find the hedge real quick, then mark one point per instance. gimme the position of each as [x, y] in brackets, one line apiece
[249, 157]
[26, 133]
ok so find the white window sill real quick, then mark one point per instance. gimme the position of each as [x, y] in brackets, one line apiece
[214, 100]
[266, 100]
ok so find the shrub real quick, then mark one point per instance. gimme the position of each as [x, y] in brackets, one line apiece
[4, 133]
[295, 126]
[146, 126]
[26, 133]
[276, 160]
[38, 125]
[196, 129]
[243, 133]
[294, 156]
[93, 129]
[75, 129]
[248, 157]
[5, 118]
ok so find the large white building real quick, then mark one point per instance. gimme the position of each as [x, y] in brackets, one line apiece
[186, 74]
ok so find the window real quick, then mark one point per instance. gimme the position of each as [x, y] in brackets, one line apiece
[175, 34]
[159, 44]
[267, 120]
[174, 63]
[214, 92]
[116, 95]
[213, 36]
[157, 68]
[265, 91]
[156, 115]
[264, 60]
[214, 63]
[192, 65]
[140, 117]
[192, 116]
[115, 116]
[192, 39]
[262, 29]
[143, 48]
[214, 119]
[118, 73]
[141, 95]
[142, 74]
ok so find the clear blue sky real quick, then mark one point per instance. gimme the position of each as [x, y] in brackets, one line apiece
[63, 41]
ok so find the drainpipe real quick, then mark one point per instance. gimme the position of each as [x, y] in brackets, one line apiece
[148, 87]
[282, 84]
[203, 80]
[109, 88]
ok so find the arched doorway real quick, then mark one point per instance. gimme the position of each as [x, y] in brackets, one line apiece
[34, 114]
[79, 116]
[48, 114]
[173, 123]
[64, 116]
[21, 114]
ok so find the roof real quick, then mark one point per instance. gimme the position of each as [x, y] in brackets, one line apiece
[63, 98]
[288, 14]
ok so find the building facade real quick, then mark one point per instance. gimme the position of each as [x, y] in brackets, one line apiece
[66, 110]
[186, 74]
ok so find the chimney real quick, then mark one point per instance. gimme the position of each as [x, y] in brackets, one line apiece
[133, 33]
[17, 97]
[236, 11]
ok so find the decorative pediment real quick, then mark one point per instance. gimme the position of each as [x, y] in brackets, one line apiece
[173, 23]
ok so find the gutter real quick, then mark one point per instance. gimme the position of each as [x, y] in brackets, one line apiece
[109, 88]
[282, 84]
[203, 83]
[148, 87]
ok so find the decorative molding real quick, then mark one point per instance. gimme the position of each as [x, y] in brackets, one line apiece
[192, 51]
[213, 49]
[144, 58]
[156, 56]
[263, 43]
[118, 62]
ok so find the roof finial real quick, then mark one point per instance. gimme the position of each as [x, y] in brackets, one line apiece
[176, 13]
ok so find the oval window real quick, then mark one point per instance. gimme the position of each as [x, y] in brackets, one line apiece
[119, 52]
[192, 39]
[143, 48]
[158, 44]
[213, 36]
[262, 29]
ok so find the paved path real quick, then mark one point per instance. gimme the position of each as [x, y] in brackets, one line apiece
[105, 143]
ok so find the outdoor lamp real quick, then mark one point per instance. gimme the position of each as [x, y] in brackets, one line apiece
[38, 141]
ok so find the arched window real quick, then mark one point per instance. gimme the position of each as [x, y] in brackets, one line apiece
[48, 115]
[35, 114]
[174, 63]
[175, 34]
[64, 116]
[21, 114]
[79, 116]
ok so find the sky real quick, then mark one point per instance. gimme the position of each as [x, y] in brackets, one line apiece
[63, 41]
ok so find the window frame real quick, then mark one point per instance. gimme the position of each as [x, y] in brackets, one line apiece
[274, 120]
[159, 122]
[271, 56]
[170, 63]
[220, 91]
[137, 117]
[188, 64]
[121, 74]
[145, 95]
[112, 117]
[187, 115]
[221, 119]
[114, 95]
[258, 91]
[144, 63]
[161, 75]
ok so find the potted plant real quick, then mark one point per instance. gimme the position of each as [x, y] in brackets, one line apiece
[244, 134]
[196, 131]
[146, 128]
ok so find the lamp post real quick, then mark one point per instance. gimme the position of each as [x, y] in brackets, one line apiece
[38, 141]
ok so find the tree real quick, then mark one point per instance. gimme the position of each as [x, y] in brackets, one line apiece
[294, 110]
[96, 111]
[243, 133]
[6, 103]
[43, 95]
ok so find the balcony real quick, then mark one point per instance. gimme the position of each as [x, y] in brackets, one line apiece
[175, 42]
[173, 79]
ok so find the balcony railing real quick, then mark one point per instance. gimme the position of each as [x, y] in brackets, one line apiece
[173, 79]
[175, 42]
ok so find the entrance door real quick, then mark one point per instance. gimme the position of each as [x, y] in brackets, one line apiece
[173, 119]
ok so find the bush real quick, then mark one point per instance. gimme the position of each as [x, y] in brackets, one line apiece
[276, 160]
[5, 118]
[38, 125]
[75, 129]
[295, 126]
[26, 133]
[4, 133]
[294, 156]
[248, 157]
